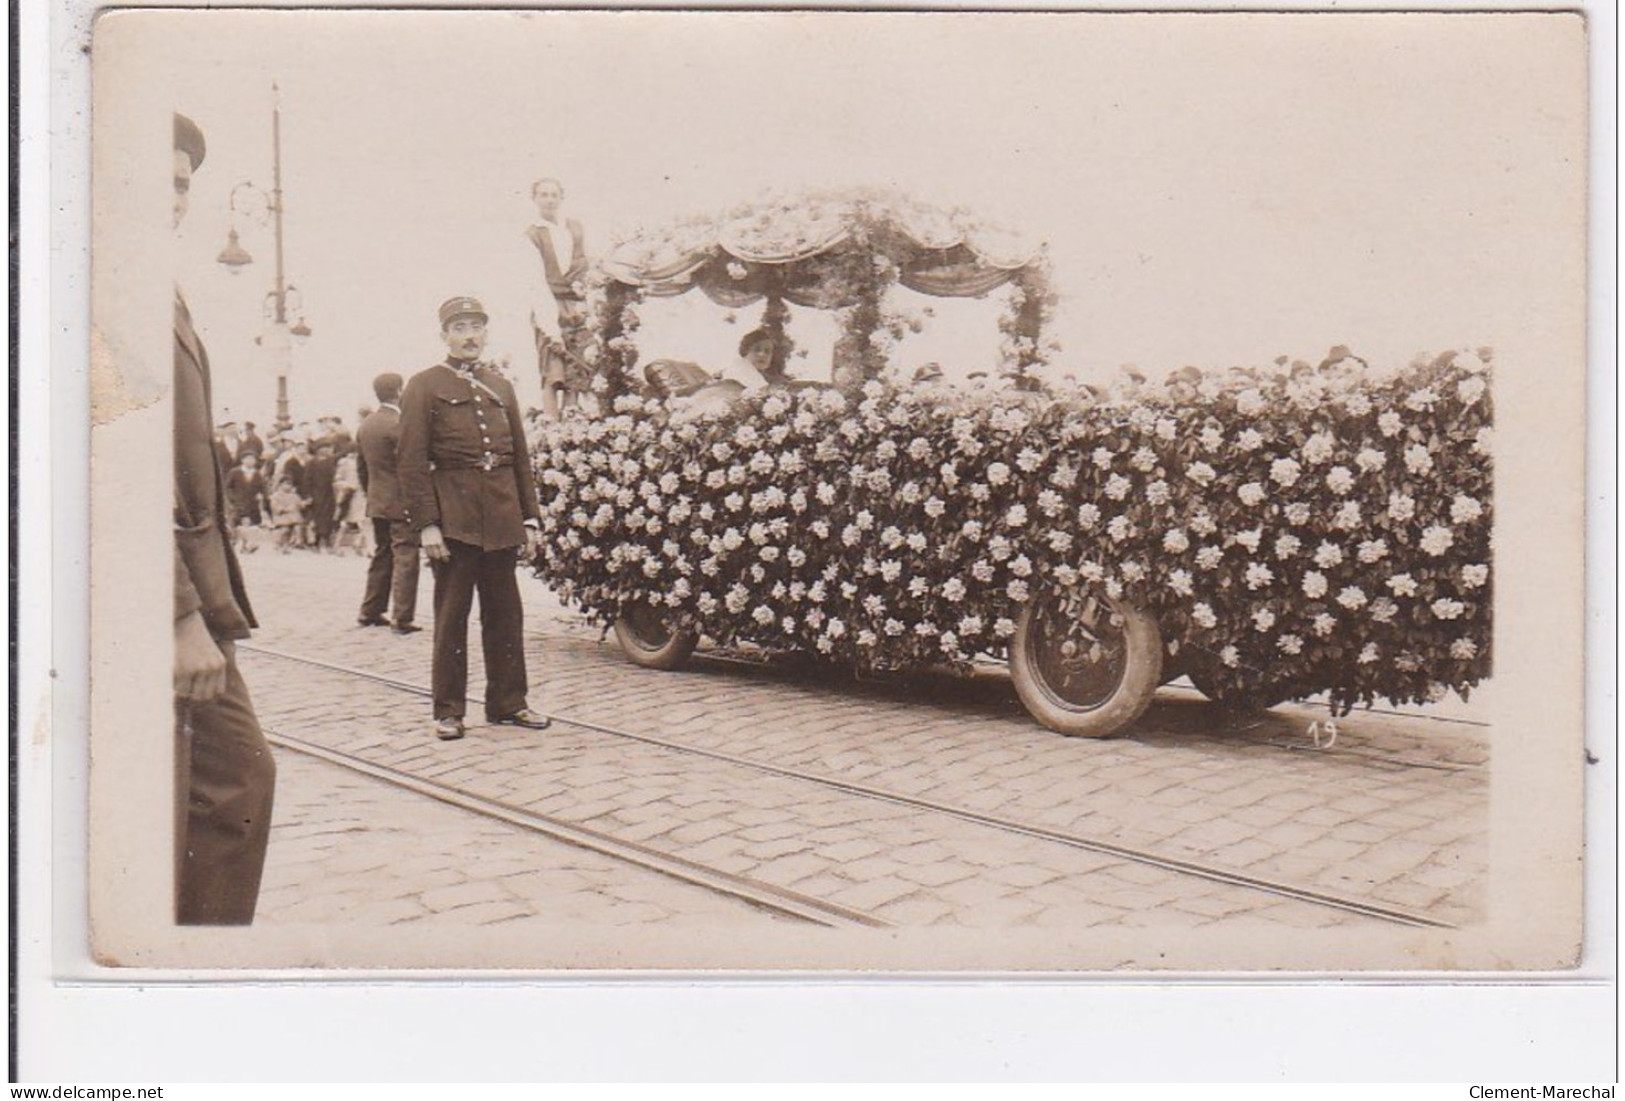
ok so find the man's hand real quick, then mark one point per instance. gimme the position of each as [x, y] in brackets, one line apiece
[200, 661]
[434, 544]
[533, 542]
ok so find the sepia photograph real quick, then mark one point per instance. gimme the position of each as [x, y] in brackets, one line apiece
[837, 491]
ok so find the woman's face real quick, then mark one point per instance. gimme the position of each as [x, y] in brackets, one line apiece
[761, 355]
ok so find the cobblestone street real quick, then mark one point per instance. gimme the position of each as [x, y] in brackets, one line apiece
[925, 801]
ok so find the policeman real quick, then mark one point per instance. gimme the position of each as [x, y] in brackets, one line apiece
[466, 480]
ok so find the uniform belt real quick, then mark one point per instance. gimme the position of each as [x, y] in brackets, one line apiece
[486, 462]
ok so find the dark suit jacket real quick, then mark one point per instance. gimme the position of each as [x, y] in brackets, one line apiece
[207, 579]
[377, 441]
[462, 460]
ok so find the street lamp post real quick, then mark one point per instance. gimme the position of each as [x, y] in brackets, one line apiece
[279, 337]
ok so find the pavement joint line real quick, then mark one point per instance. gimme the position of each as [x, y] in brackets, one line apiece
[1107, 848]
[765, 895]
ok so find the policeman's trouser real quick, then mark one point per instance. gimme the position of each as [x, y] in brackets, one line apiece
[502, 627]
[224, 781]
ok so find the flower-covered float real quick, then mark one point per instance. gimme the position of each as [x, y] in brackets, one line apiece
[1272, 535]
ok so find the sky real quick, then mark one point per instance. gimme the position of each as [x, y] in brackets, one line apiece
[1213, 190]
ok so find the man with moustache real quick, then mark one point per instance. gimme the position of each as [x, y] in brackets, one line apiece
[224, 775]
[470, 497]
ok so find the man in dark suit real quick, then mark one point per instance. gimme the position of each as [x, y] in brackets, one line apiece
[470, 496]
[394, 565]
[224, 775]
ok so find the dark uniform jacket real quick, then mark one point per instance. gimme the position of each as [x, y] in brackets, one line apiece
[377, 441]
[462, 460]
[207, 578]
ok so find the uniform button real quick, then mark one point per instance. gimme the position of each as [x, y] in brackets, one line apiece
[487, 439]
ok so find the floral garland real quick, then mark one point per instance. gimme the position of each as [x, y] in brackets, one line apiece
[1323, 532]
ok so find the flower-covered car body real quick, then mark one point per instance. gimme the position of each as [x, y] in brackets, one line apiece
[1325, 532]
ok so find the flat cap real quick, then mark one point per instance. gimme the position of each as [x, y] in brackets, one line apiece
[189, 140]
[453, 308]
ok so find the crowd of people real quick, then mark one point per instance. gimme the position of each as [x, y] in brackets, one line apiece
[297, 488]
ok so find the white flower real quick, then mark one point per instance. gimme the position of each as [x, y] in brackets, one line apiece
[1314, 584]
[1297, 513]
[1368, 654]
[1209, 557]
[1202, 615]
[981, 570]
[891, 537]
[1473, 577]
[1324, 624]
[1370, 459]
[1352, 597]
[1448, 609]
[891, 570]
[1028, 460]
[835, 628]
[1021, 566]
[1383, 609]
[1180, 582]
[769, 554]
[954, 590]
[1250, 538]
[893, 627]
[1088, 516]
[864, 520]
[1319, 448]
[1212, 439]
[1176, 542]
[1290, 644]
[1484, 440]
[1287, 545]
[1285, 472]
[851, 536]
[1016, 516]
[1144, 460]
[867, 638]
[1101, 458]
[1437, 539]
[1464, 649]
[1470, 389]
[762, 614]
[1347, 517]
[1418, 459]
[972, 530]
[970, 625]
[1050, 503]
[1065, 575]
[1464, 509]
[1250, 402]
[1203, 523]
[1421, 399]
[1117, 487]
[1258, 575]
[1373, 550]
[1119, 528]
[935, 507]
[1339, 479]
[1158, 493]
[1249, 439]
[1251, 494]
[1000, 548]
[917, 542]
[820, 528]
[1060, 541]
[1401, 507]
[1263, 619]
[1200, 473]
[1003, 627]
[1390, 423]
[1402, 584]
[979, 491]
[874, 604]
[998, 474]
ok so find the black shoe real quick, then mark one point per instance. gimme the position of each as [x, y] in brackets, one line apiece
[372, 621]
[406, 628]
[526, 718]
[448, 730]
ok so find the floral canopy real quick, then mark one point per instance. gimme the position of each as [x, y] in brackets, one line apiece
[837, 251]
[803, 251]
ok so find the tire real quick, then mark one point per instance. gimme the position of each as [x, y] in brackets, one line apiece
[1088, 666]
[648, 642]
[1245, 701]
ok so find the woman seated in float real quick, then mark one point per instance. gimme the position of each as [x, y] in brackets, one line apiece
[753, 370]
